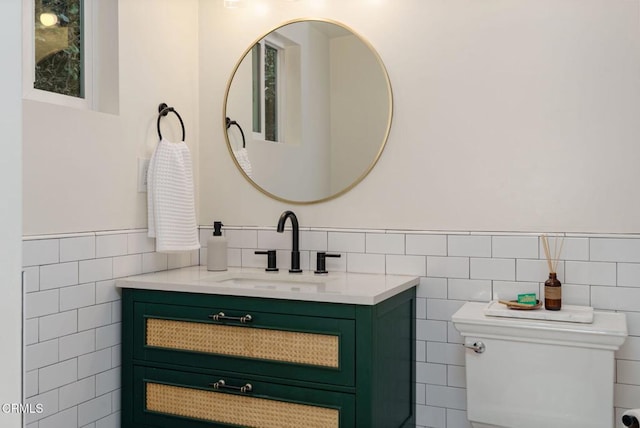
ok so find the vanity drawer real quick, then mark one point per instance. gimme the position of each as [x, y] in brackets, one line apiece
[171, 398]
[307, 348]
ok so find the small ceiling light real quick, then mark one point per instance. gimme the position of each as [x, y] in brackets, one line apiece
[48, 19]
[231, 4]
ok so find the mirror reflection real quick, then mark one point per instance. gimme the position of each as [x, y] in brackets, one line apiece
[307, 111]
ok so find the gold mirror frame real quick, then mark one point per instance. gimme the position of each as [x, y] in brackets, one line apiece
[386, 132]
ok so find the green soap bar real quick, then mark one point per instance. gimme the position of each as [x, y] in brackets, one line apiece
[527, 299]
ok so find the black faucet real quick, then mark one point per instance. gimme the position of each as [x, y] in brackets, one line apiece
[295, 250]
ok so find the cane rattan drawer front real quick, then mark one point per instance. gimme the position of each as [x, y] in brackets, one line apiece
[170, 398]
[309, 348]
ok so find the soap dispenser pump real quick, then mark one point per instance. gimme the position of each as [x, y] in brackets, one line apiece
[217, 249]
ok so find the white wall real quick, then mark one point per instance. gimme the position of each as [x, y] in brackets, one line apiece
[80, 167]
[105, 54]
[10, 215]
[507, 115]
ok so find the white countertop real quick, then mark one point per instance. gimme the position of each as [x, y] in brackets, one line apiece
[334, 287]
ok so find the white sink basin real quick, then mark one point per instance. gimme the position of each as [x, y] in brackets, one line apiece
[270, 281]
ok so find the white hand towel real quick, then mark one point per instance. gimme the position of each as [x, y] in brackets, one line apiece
[151, 218]
[242, 156]
[171, 200]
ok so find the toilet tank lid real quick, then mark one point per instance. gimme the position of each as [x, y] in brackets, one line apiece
[608, 330]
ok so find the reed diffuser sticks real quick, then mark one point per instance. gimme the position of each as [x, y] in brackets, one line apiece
[552, 259]
[552, 287]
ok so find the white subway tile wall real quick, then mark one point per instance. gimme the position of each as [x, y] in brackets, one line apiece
[72, 311]
[72, 322]
[603, 272]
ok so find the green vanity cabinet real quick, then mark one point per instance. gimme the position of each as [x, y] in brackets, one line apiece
[193, 360]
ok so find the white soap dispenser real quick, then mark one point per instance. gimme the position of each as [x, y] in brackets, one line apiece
[217, 249]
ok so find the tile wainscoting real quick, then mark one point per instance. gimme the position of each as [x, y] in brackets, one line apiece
[72, 322]
[72, 309]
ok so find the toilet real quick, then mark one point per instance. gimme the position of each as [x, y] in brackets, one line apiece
[523, 373]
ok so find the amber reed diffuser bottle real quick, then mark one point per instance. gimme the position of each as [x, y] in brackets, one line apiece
[552, 293]
[552, 287]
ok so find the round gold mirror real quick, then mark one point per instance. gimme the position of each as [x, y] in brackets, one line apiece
[307, 111]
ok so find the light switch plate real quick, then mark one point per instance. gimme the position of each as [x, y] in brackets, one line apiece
[143, 167]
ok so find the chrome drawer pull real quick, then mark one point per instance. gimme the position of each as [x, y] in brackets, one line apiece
[220, 316]
[221, 384]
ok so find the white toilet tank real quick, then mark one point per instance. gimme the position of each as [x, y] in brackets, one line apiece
[534, 373]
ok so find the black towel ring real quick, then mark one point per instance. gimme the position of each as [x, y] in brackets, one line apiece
[230, 122]
[163, 110]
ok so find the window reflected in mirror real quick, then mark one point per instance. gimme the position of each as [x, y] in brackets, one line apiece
[272, 83]
[271, 93]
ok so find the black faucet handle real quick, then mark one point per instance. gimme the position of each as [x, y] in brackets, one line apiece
[271, 260]
[321, 261]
